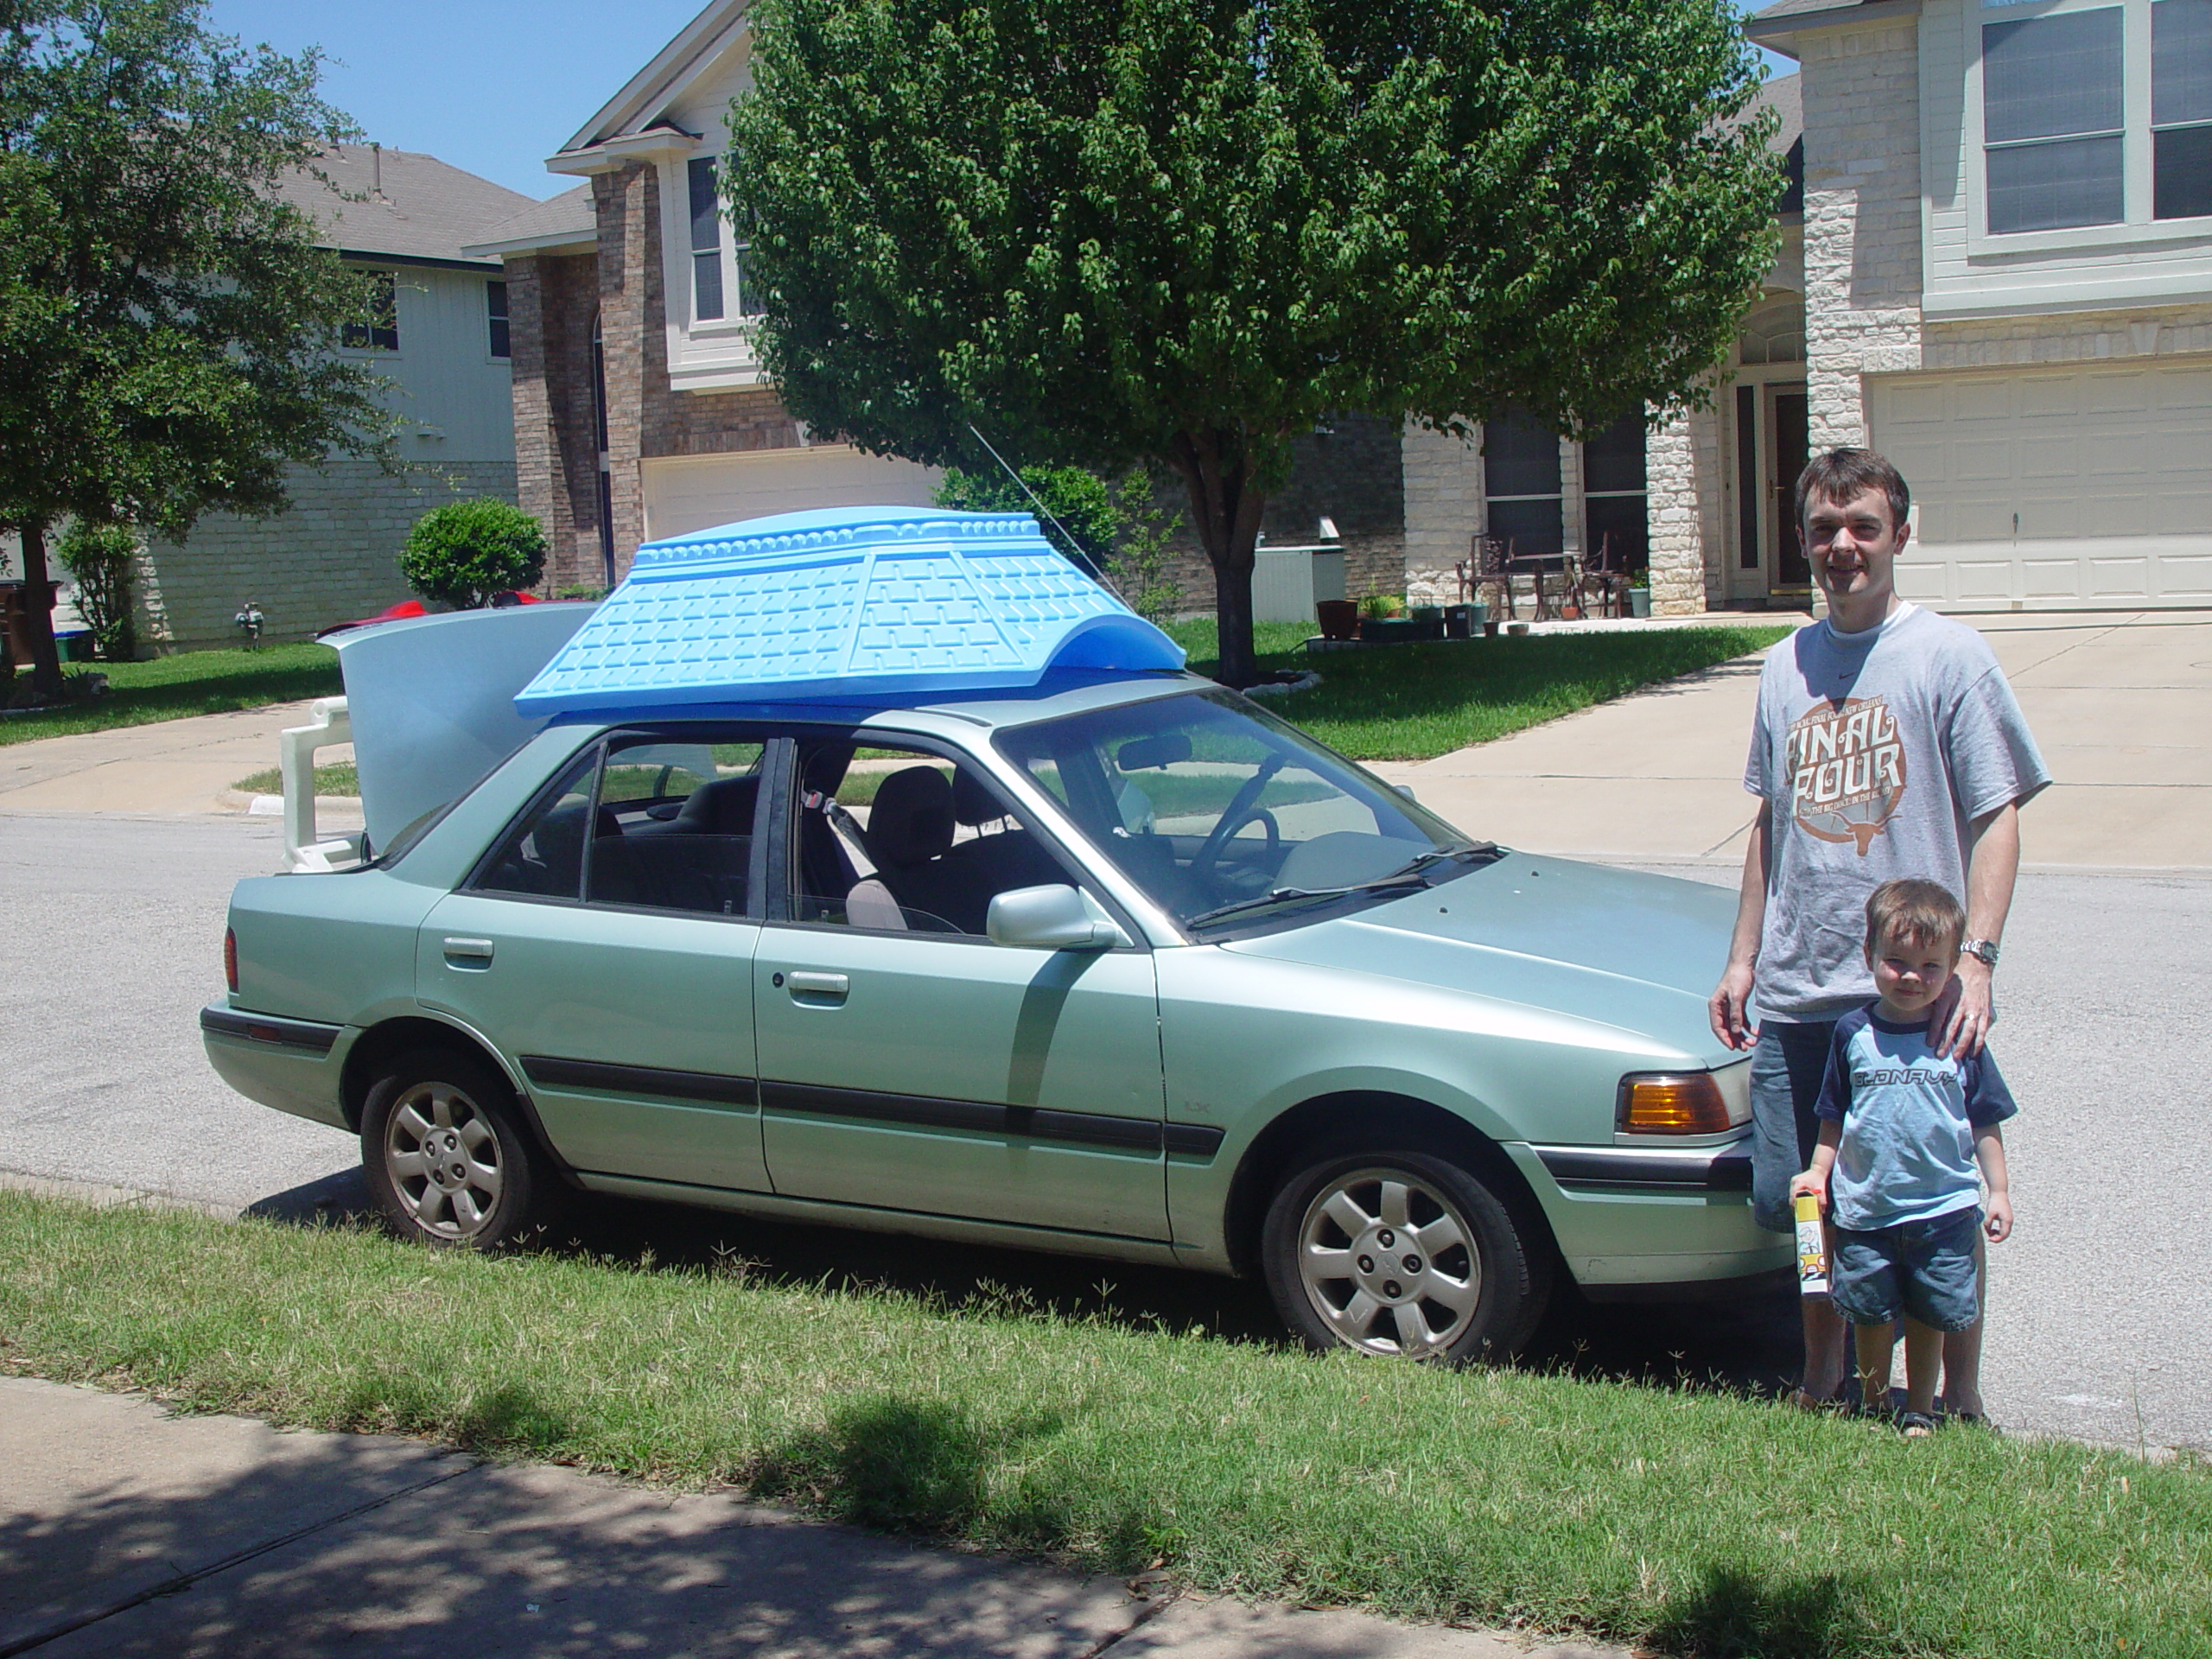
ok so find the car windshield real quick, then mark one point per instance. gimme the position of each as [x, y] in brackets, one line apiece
[1226, 816]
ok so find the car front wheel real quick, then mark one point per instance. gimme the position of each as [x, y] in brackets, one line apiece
[1401, 1253]
[447, 1155]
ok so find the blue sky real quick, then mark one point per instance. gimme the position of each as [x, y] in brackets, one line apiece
[491, 85]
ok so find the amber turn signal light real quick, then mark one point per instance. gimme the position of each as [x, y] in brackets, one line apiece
[1687, 1102]
[231, 957]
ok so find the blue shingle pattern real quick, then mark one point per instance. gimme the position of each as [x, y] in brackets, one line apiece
[842, 601]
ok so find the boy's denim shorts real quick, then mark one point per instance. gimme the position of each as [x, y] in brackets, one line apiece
[1922, 1269]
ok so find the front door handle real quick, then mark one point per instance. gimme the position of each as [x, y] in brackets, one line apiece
[831, 988]
[468, 953]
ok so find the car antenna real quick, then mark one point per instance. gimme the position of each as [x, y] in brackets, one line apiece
[1074, 547]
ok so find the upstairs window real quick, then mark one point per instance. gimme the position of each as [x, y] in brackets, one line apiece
[2053, 112]
[495, 317]
[706, 242]
[2181, 109]
[378, 328]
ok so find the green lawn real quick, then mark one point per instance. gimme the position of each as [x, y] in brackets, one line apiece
[1695, 1522]
[1412, 702]
[190, 682]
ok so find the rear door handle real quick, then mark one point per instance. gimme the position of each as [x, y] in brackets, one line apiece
[831, 987]
[468, 953]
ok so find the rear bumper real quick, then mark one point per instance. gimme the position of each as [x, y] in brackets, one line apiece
[1653, 1222]
[293, 1066]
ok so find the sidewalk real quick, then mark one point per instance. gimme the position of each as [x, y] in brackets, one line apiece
[2118, 703]
[125, 1530]
[164, 769]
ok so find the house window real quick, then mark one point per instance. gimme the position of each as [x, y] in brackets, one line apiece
[495, 314]
[706, 242]
[378, 328]
[1612, 496]
[2181, 109]
[2053, 111]
[1520, 484]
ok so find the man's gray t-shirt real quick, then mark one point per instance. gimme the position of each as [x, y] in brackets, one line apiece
[1876, 750]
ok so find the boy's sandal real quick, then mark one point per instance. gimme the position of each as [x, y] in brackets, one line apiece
[1915, 1425]
[1805, 1402]
[1973, 1419]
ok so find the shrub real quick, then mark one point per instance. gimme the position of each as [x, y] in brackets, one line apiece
[1115, 529]
[463, 553]
[98, 559]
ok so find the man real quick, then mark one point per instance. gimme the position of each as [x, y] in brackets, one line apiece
[1887, 744]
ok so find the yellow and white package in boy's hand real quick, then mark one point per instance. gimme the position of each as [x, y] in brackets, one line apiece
[1812, 1249]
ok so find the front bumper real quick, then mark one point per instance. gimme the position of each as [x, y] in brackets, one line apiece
[1644, 1220]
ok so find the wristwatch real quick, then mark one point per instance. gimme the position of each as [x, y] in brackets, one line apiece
[1983, 951]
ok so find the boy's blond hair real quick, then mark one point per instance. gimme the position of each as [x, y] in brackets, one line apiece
[1918, 912]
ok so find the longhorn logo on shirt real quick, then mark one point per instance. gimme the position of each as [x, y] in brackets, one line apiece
[1847, 770]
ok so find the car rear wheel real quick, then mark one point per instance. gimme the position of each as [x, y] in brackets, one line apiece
[1401, 1253]
[447, 1154]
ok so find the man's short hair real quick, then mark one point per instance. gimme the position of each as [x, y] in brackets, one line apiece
[1840, 475]
[1917, 911]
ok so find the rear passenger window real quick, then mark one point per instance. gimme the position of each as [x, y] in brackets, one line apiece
[674, 828]
[544, 854]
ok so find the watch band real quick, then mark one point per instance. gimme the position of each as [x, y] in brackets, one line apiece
[1983, 950]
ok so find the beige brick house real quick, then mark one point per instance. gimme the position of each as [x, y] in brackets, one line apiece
[2007, 261]
[437, 332]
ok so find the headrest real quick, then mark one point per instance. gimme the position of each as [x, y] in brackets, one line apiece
[826, 768]
[972, 804]
[911, 822]
[722, 808]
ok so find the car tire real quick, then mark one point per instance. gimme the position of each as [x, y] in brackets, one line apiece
[1401, 1252]
[448, 1158]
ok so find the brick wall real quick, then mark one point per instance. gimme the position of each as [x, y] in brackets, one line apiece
[331, 558]
[552, 301]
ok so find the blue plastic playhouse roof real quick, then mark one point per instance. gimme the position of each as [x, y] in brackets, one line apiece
[844, 601]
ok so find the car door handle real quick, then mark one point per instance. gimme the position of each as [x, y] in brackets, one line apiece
[468, 953]
[830, 987]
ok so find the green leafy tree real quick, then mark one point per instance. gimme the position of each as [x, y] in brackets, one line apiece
[466, 552]
[168, 326]
[99, 558]
[1182, 232]
[1113, 529]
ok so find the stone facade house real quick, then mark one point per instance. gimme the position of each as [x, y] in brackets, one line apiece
[2007, 288]
[438, 330]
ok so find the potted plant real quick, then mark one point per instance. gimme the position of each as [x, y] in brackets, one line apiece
[1428, 622]
[1639, 594]
[1338, 618]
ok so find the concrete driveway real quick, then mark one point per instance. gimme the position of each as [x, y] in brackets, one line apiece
[2121, 705]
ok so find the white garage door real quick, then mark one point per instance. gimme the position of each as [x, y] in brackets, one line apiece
[2089, 485]
[689, 492]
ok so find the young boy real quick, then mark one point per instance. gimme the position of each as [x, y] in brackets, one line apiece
[1901, 1128]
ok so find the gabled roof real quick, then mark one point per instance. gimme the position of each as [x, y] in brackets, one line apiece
[842, 601]
[636, 107]
[568, 220]
[417, 206]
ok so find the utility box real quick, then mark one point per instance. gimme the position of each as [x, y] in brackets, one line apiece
[1288, 581]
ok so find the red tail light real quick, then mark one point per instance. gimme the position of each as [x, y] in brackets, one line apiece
[231, 958]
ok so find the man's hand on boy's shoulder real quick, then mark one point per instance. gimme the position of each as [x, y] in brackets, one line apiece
[1965, 1011]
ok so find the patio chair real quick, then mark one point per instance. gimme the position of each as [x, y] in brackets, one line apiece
[1605, 578]
[1493, 573]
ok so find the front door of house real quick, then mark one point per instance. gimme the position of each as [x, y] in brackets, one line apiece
[1789, 574]
[1772, 442]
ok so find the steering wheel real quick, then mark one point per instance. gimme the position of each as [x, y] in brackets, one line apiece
[1243, 808]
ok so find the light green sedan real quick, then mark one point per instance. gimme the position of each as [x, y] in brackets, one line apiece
[1123, 967]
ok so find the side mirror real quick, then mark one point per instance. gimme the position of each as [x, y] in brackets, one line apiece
[1050, 919]
[1405, 790]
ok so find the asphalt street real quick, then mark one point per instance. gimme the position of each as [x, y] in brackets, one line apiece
[113, 931]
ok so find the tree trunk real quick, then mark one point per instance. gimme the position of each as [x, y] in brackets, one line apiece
[1225, 512]
[38, 612]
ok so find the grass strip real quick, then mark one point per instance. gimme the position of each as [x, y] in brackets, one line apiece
[190, 682]
[1415, 701]
[1694, 1522]
[338, 779]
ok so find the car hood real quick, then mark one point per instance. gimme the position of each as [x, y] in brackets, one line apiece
[1638, 952]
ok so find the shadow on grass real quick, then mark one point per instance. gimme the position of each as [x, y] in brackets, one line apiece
[1739, 1616]
[1746, 1341]
[141, 704]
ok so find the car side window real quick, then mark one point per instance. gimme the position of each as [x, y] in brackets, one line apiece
[674, 827]
[543, 855]
[901, 841]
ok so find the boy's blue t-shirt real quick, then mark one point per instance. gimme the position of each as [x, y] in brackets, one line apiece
[1909, 1117]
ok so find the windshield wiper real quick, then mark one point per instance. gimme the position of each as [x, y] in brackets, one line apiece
[1408, 878]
